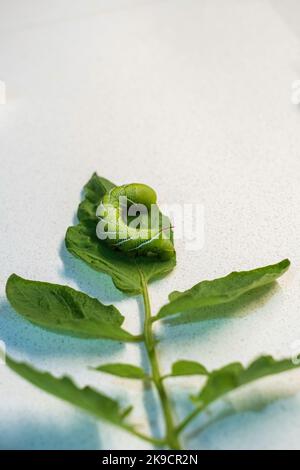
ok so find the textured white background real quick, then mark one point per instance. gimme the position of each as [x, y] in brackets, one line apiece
[194, 98]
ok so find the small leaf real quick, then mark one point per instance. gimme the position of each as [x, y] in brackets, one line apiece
[123, 370]
[65, 310]
[188, 368]
[96, 187]
[87, 398]
[223, 290]
[235, 375]
[81, 240]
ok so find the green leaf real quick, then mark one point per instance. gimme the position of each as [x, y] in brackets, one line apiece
[223, 290]
[93, 189]
[235, 375]
[123, 370]
[81, 240]
[188, 368]
[65, 310]
[86, 398]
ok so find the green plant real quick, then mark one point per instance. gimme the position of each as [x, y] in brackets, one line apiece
[66, 310]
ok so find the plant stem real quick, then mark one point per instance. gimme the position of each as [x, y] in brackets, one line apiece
[171, 437]
[136, 338]
[188, 419]
[152, 440]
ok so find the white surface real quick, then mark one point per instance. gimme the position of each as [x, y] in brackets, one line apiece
[194, 98]
[2, 92]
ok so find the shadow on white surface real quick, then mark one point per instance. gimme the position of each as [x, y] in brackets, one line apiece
[239, 308]
[245, 407]
[88, 281]
[232, 431]
[21, 336]
[80, 433]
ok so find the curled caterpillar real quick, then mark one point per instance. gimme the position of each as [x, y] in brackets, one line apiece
[130, 221]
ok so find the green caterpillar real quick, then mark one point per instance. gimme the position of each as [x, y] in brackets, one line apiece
[149, 234]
